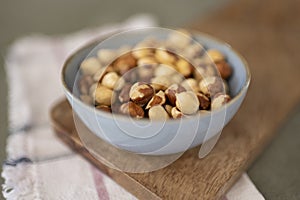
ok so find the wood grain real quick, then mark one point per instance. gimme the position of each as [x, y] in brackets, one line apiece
[267, 34]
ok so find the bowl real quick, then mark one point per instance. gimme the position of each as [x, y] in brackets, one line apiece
[154, 137]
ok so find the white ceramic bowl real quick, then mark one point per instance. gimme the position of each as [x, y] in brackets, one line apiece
[158, 138]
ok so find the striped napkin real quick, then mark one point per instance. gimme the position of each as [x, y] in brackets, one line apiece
[39, 165]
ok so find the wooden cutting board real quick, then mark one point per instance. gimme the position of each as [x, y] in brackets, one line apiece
[186, 178]
[267, 39]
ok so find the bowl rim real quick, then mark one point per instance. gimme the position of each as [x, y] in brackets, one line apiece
[243, 89]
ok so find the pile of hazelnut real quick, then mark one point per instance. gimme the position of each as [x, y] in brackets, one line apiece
[156, 79]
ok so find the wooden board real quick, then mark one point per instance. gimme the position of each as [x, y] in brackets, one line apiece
[186, 178]
[267, 34]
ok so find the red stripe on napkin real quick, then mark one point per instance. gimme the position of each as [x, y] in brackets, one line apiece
[99, 184]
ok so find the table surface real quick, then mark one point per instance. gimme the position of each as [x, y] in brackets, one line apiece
[276, 173]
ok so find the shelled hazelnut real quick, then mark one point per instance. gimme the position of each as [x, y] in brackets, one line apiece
[224, 69]
[145, 72]
[104, 108]
[124, 63]
[157, 112]
[99, 74]
[190, 84]
[106, 56]
[110, 79]
[142, 52]
[161, 82]
[184, 67]
[212, 85]
[103, 95]
[156, 79]
[90, 66]
[179, 39]
[146, 61]
[187, 102]
[158, 99]
[85, 83]
[219, 100]
[172, 91]
[164, 70]
[168, 108]
[164, 57]
[86, 99]
[175, 113]
[215, 55]
[192, 51]
[204, 102]
[141, 93]
[124, 94]
[132, 110]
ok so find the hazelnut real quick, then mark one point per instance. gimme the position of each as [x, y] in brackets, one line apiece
[164, 56]
[90, 66]
[172, 91]
[140, 93]
[158, 113]
[86, 99]
[143, 52]
[93, 89]
[124, 63]
[219, 100]
[106, 56]
[164, 70]
[104, 108]
[161, 82]
[85, 83]
[88, 80]
[200, 71]
[168, 108]
[203, 101]
[215, 55]
[149, 43]
[84, 89]
[190, 84]
[124, 49]
[226, 87]
[132, 109]
[131, 76]
[210, 70]
[201, 62]
[103, 95]
[156, 78]
[120, 84]
[198, 74]
[212, 85]
[176, 78]
[146, 61]
[180, 38]
[158, 99]
[99, 74]
[145, 72]
[187, 102]
[204, 69]
[184, 67]
[224, 69]
[110, 79]
[109, 68]
[204, 112]
[175, 113]
[192, 51]
[124, 94]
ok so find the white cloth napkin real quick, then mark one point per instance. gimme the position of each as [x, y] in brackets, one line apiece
[39, 165]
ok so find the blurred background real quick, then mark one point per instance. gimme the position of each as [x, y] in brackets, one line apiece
[20, 18]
